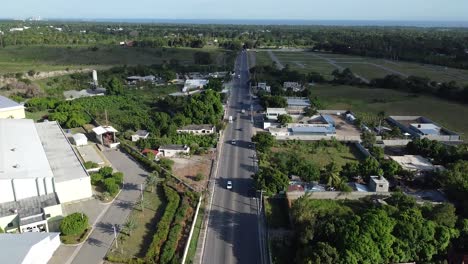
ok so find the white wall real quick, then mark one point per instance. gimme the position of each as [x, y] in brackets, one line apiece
[15, 113]
[54, 210]
[72, 190]
[24, 188]
[4, 221]
[6, 191]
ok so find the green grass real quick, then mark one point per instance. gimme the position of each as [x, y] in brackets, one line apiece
[36, 116]
[137, 244]
[320, 154]
[364, 100]
[50, 58]
[262, 58]
[307, 61]
[276, 210]
[196, 233]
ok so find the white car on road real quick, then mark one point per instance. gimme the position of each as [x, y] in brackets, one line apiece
[229, 185]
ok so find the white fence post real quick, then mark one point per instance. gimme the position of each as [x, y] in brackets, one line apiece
[189, 240]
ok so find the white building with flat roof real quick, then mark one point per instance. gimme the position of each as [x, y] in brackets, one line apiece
[11, 109]
[38, 170]
[193, 84]
[413, 163]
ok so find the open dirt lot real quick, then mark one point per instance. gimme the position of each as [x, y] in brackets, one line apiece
[187, 168]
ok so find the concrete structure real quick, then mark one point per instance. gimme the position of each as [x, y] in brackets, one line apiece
[297, 105]
[198, 129]
[140, 134]
[38, 169]
[29, 248]
[135, 79]
[294, 86]
[263, 86]
[422, 127]
[414, 163]
[73, 94]
[273, 113]
[95, 79]
[193, 84]
[106, 136]
[378, 184]
[10, 109]
[80, 139]
[173, 150]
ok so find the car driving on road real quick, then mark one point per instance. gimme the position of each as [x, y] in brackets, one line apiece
[233, 142]
[229, 185]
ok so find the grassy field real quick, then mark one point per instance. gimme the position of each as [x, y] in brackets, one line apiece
[320, 154]
[368, 68]
[364, 100]
[136, 244]
[51, 58]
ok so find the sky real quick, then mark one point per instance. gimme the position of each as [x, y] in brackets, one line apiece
[412, 10]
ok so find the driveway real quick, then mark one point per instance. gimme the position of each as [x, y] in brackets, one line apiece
[97, 245]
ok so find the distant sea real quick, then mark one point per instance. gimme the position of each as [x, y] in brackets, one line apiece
[283, 22]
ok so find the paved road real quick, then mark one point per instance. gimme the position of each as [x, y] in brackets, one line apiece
[232, 235]
[95, 248]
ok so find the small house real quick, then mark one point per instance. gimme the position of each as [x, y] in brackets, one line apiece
[173, 150]
[146, 151]
[140, 134]
[11, 109]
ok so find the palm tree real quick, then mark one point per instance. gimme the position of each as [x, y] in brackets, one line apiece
[332, 175]
[152, 179]
[130, 226]
[142, 203]
[381, 116]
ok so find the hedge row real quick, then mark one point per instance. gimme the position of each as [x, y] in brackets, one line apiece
[116, 259]
[164, 224]
[170, 246]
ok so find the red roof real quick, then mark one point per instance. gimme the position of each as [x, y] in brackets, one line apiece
[295, 188]
[155, 152]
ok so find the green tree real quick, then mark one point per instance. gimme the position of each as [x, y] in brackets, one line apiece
[115, 87]
[284, 119]
[270, 180]
[331, 175]
[96, 178]
[368, 139]
[74, 224]
[118, 178]
[106, 172]
[263, 141]
[370, 167]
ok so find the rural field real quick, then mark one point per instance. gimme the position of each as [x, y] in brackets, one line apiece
[368, 68]
[51, 58]
[367, 101]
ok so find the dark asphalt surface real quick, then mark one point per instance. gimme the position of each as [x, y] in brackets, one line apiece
[232, 235]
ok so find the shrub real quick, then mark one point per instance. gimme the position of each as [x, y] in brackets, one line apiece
[74, 224]
[96, 178]
[199, 176]
[164, 224]
[110, 186]
[90, 165]
[118, 177]
[166, 163]
[106, 172]
[170, 245]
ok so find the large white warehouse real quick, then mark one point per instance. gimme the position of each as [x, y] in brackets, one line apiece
[37, 162]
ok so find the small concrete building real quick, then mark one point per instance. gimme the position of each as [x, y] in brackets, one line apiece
[413, 163]
[28, 248]
[173, 150]
[194, 84]
[378, 184]
[106, 136]
[80, 139]
[140, 134]
[273, 113]
[198, 129]
[11, 109]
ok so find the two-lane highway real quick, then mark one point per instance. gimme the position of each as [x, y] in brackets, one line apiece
[232, 234]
